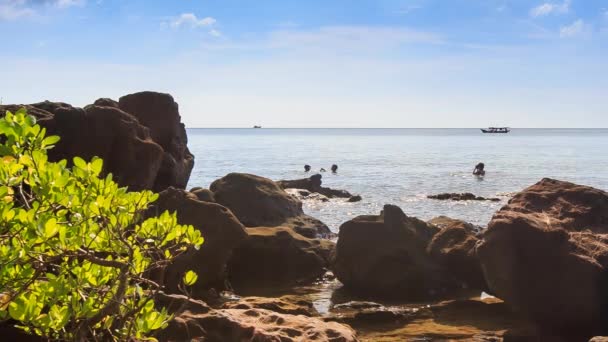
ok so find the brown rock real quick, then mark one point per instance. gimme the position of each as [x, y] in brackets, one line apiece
[159, 112]
[277, 256]
[567, 205]
[534, 258]
[292, 305]
[220, 229]
[453, 247]
[106, 102]
[258, 201]
[200, 323]
[385, 256]
[313, 184]
[204, 195]
[137, 156]
[467, 196]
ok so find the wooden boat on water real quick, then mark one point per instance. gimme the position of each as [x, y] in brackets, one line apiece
[496, 130]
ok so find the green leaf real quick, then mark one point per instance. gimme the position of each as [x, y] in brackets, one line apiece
[50, 228]
[190, 278]
[80, 163]
[50, 140]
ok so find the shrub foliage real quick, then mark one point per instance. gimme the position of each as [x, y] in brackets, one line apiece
[74, 247]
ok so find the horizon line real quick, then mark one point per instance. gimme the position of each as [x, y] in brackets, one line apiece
[239, 127]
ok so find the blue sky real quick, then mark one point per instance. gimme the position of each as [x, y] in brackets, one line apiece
[342, 63]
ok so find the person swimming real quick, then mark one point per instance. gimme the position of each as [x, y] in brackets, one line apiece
[334, 168]
[306, 168]
[322, 170]
[479, 170]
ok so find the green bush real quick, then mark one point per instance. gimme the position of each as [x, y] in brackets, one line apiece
[74, 248]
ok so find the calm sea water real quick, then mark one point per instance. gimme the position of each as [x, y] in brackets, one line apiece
[403, 166]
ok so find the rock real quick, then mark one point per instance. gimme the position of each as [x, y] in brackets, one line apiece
[456, 320]
[159, 112]
[292, 305]
[258, 201]
[106, 102]
[222, 233]
[200, 323]
[355, 198]
[467, 196]
[313, 184]
[306, 195]
[385, 256]
[443, 222]
[136, 154]
[534, 257]
[599, 339]
[125, 146]
[204, 195]
[277, 257]
[453, 248]
[570, 206]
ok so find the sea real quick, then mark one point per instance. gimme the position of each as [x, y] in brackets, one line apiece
[404, 166]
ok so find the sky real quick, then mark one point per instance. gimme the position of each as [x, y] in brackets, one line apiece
[318, 63]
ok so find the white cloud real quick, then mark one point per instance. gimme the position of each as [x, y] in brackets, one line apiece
[551, 8]
[191, 20]
[69, 3]
[572, 30]
[18, 9]
[14, 9]
[215, 33]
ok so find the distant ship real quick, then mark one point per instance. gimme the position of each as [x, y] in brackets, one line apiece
[256, 126]
[496, 130]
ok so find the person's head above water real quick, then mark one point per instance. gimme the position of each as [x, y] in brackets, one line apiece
[306, 168]
[334, 168]
[479, 166]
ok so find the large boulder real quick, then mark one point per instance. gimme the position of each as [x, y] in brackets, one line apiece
[222, 233]
[385, 256]
[159, 112]
[195, 321]
[277, 257]
[453, 247]
[543, 255]
[258, 201]
[140, 139]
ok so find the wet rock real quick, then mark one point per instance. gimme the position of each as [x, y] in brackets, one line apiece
[222, 233]
[459, 320]
[258, 201]
[200, 323]
[453, 248]
[355, 198]
[313, 184]
[277, 257]
[536, 256]
[385, 256]
[467, 196]
[159, 112]
[292, 305]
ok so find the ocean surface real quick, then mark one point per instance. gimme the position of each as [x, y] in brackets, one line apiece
[403, 166]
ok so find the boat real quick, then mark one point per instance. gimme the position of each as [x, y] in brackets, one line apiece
[256, 126]
[496, 130]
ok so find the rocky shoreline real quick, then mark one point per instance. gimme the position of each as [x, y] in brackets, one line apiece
[265, 263]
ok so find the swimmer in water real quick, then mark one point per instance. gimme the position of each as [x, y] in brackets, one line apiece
[306, 168]
[334, 168]
[479, 171]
